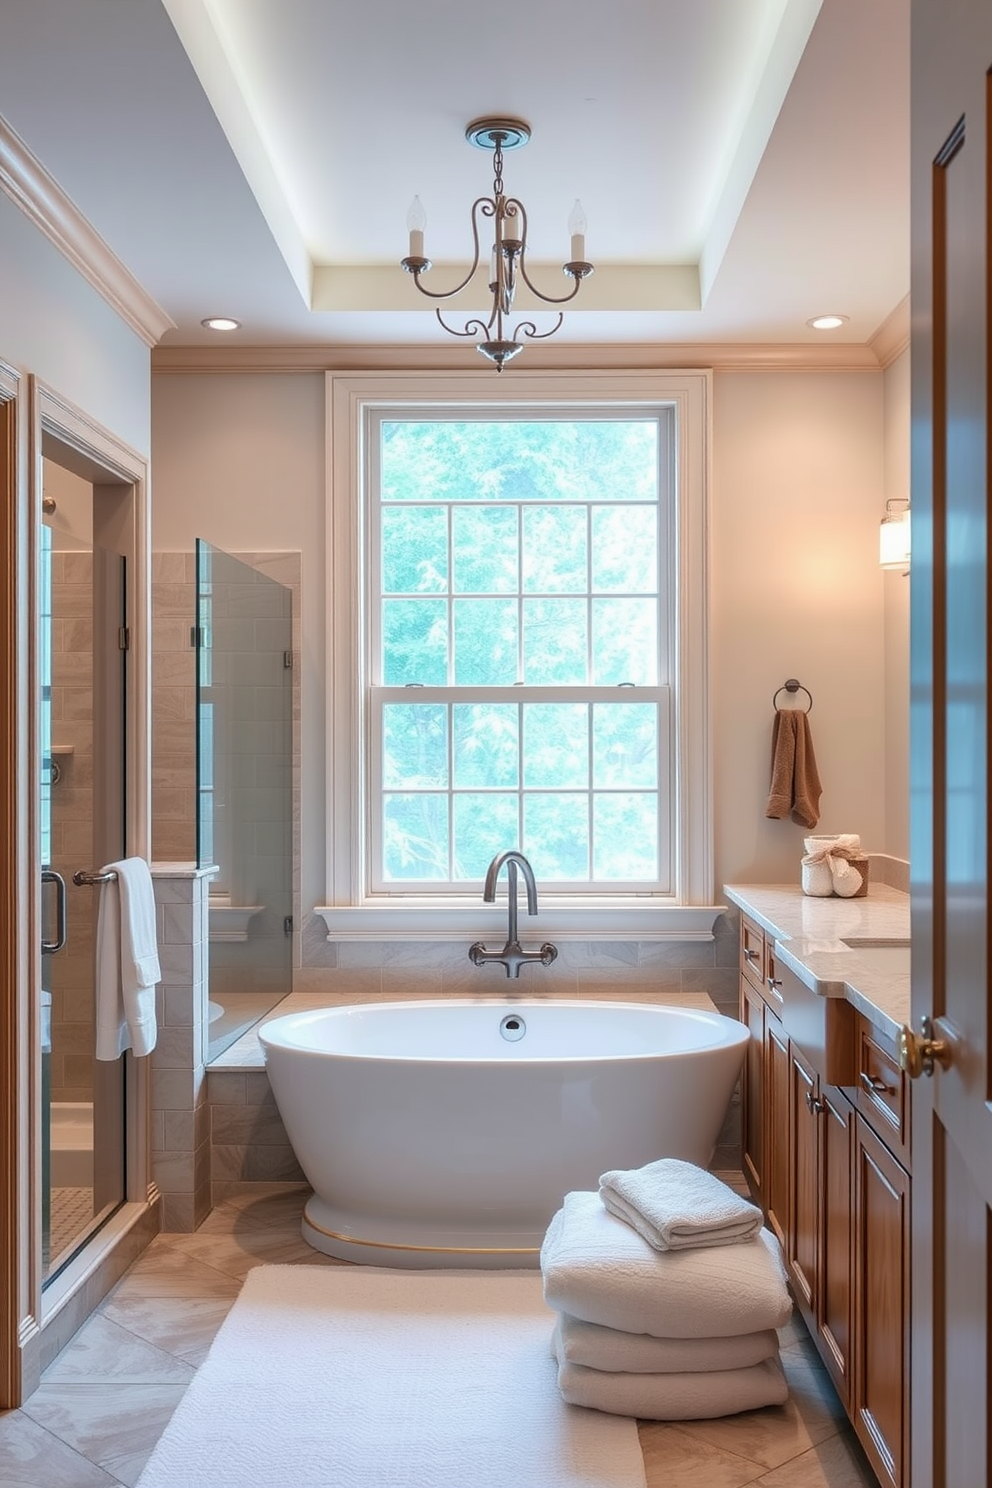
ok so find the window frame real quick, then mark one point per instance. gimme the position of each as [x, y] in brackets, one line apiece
[354, 910]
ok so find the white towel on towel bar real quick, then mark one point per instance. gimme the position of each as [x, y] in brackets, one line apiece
[127, 964]
[675, 1397]
[676, 1205]
[614, 1352]
[597, 1268]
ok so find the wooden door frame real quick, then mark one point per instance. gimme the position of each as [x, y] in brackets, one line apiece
[20, 1326]
[119, 474]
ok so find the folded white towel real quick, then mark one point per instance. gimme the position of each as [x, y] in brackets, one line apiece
[675, 1397]
[609, 1350]
[600, 1270]
[676, 1205]
[127, 964]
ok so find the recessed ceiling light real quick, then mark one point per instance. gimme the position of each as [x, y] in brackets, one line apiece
[221, 323]
[826, 322]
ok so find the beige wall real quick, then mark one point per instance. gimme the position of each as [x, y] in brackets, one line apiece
[897, 591]
[239, 460]
[798, 491]
[796, 592]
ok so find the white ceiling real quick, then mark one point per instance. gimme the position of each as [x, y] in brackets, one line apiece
[744, 164]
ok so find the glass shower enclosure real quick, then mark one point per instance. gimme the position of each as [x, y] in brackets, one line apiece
[244, 784]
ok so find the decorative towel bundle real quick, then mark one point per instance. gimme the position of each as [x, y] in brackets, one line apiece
[827, 867]
[665, 1335]
[676, 1205]
[795, 784]
[127, 964]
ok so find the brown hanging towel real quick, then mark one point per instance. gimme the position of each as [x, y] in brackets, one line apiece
[795, 785]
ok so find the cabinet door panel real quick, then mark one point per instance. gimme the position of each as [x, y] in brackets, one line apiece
[802, 1246]
[753, 1015]
[881, 1404]
[777, 1158]
[836, 1187]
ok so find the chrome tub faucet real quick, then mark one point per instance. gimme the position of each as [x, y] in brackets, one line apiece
[512, 956]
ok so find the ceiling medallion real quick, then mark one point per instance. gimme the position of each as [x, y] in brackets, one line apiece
[508, 254]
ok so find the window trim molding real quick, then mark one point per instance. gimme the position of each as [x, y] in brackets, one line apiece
[350, 909]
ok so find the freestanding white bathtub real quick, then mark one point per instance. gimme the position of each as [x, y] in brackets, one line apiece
[446, 1133]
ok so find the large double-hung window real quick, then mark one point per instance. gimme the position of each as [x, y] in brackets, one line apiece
[520, 652]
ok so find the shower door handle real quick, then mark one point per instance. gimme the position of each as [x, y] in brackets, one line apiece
[49, 947]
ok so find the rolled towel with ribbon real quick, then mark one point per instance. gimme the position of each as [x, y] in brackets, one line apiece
[834, 865]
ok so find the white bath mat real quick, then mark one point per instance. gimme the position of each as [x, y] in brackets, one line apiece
[357, 1377]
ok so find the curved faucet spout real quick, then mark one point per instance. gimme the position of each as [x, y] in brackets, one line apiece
[511, 957]
[515, 860]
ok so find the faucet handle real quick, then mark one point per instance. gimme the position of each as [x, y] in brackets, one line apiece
[549, 953]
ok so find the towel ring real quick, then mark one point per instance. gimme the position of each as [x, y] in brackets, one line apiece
[792, 684]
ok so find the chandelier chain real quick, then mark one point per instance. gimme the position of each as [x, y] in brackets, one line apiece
[498, 166]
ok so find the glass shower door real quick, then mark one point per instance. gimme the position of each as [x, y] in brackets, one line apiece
[82, 678]
[244, 754]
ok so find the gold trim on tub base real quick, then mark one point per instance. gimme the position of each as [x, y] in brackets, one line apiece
[426, 1249]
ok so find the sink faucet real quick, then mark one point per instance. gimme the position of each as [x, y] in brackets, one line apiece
[511, 956]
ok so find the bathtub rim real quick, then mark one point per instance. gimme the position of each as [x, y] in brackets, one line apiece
[690, 1014]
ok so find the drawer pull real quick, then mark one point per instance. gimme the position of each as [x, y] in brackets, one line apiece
[774, 983]
[814, 1104]
[875, 1085]
[751, 957]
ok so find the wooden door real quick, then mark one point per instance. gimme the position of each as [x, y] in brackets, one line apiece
[776, 1136]
[881, 1292]
[952, 1115]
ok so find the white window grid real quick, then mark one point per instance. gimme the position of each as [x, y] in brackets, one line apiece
[659, 692]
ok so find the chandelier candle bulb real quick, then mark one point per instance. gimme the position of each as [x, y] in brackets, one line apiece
[416, 221]
[577, 225]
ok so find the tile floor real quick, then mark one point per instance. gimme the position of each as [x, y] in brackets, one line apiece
[105, 1400]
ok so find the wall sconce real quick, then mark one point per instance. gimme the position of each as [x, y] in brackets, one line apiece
[894, 536]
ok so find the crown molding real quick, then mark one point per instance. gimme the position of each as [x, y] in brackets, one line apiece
[29, 186]
[893, 335]
[607, 356]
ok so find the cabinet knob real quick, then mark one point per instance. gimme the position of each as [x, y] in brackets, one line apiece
[918, 1053]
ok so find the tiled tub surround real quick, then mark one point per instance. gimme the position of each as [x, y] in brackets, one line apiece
[180, 1116]
[248, 1140]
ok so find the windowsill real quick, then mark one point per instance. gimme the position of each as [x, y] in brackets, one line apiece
[636, 918]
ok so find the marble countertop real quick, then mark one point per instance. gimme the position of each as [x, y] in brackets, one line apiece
[812, 939]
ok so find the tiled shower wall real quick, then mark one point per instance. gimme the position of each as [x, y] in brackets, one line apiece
[71, 971]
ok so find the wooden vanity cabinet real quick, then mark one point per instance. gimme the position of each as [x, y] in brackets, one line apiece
[818, 1247]
[753, 1091]
[881, 1400]
[826, 1149]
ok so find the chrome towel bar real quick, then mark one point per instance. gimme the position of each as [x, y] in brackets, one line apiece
[81, 878]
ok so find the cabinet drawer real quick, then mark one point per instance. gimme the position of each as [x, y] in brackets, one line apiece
[753, 953]
[823, 1027]
[883, 1096]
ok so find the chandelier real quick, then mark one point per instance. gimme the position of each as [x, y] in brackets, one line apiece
[508, 255]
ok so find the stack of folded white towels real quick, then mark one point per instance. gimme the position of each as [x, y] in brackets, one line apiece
[668, 1292]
